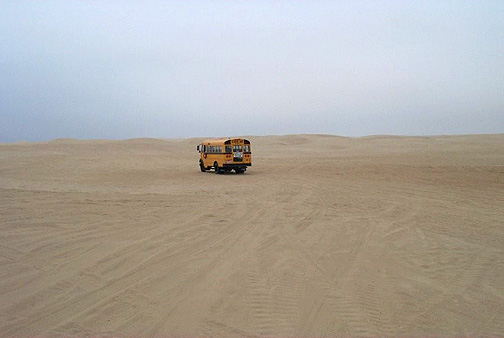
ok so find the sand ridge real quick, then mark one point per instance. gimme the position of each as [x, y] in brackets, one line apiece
[323, 236]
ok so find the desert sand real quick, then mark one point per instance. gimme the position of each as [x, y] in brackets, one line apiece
[323, 236]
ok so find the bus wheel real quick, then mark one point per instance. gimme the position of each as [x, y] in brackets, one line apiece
[217, 169]
[202, 167]
[239, 171]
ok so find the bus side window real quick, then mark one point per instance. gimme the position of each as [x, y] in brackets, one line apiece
[228, 149]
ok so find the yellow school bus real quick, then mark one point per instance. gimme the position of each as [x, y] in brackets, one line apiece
[224, 155]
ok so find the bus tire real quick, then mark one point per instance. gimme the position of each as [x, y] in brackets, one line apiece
[217, 169]
[239, 171]
[202, 167]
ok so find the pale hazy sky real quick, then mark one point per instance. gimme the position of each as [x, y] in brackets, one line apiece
[124, 69]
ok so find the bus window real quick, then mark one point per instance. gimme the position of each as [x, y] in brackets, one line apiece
[246, 148]
[228, 149]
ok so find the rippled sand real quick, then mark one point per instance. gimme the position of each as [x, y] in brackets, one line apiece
[322, 236]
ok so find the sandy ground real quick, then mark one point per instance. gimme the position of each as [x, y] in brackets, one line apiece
[322, 236]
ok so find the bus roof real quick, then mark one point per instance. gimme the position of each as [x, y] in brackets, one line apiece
[223, 140]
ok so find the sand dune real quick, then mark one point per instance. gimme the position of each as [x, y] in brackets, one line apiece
[322, 236]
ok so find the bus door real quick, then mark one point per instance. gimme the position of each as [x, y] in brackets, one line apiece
[238, 153]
